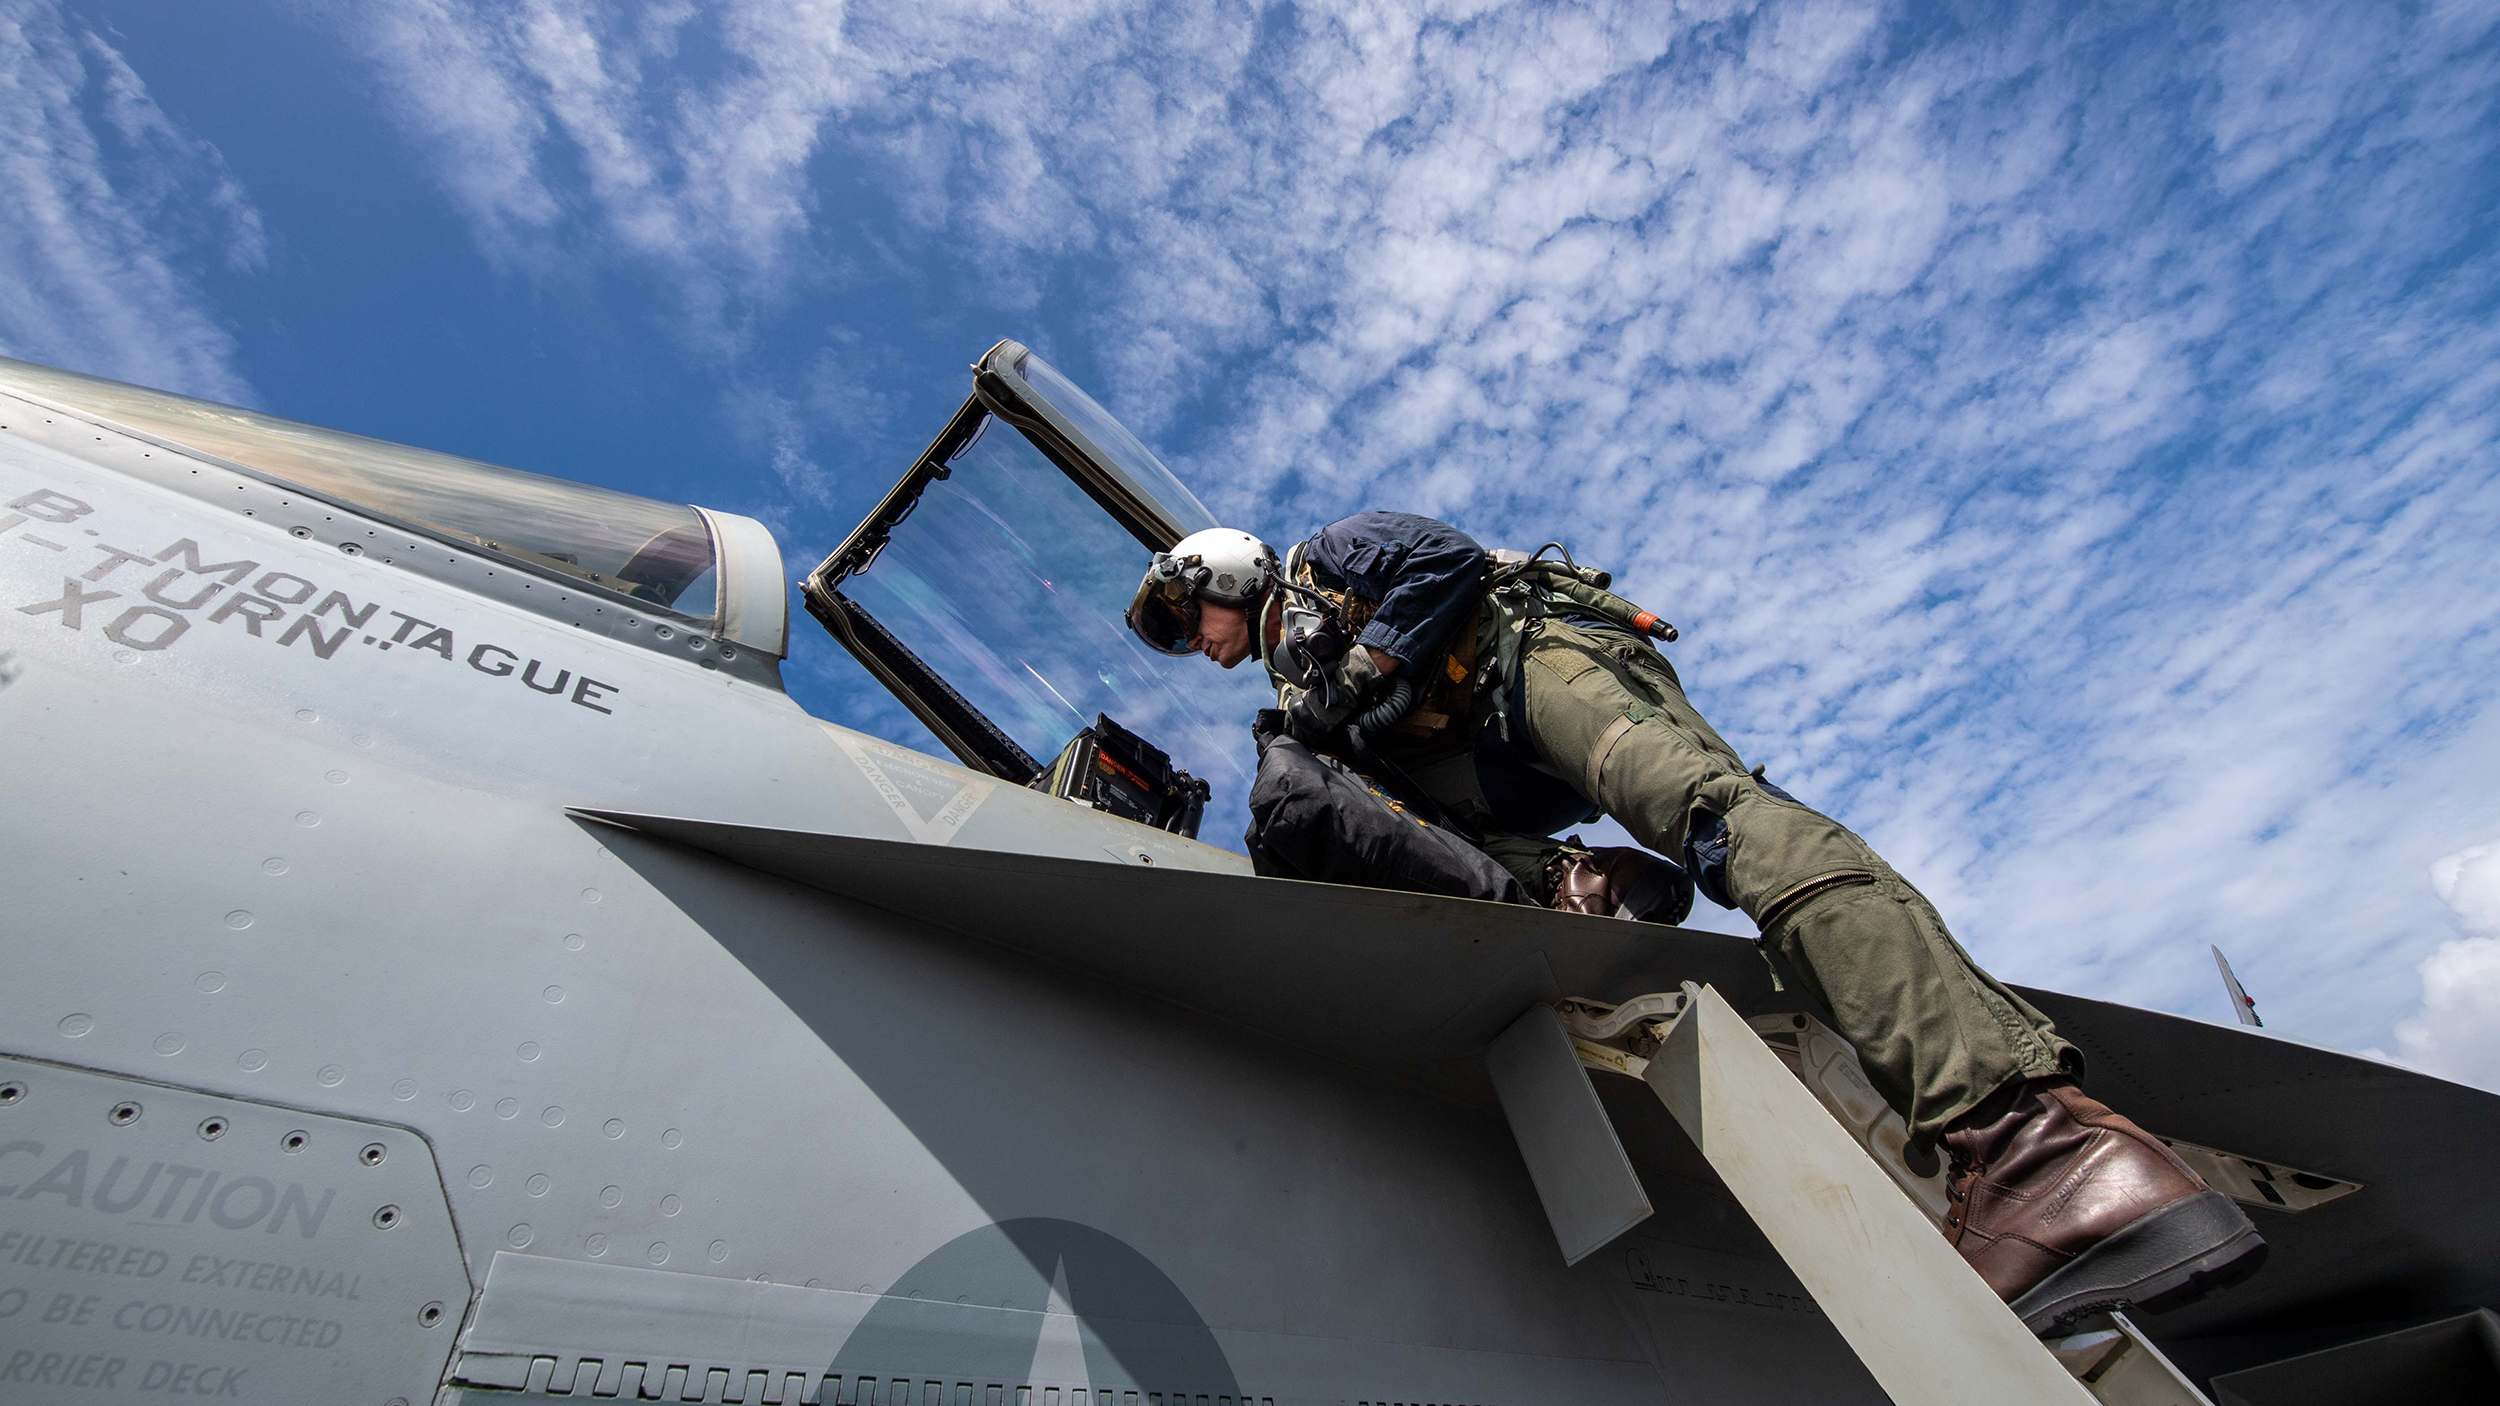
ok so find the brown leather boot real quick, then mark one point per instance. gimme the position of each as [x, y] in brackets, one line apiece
[1619, 883]
[2069, 1209]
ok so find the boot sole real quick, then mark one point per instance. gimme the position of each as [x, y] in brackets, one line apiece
[2170, 1257]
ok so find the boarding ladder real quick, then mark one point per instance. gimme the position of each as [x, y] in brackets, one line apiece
[1783, 1111]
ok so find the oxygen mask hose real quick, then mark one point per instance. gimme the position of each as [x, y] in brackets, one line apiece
[1390, 709]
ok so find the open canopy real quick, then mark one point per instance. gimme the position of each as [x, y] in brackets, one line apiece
[987, 589]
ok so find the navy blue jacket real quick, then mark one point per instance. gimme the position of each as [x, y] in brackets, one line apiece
[1426, 575]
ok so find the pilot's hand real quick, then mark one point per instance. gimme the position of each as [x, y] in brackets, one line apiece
[1311, 718]
[1349, 687]
[1358, 677]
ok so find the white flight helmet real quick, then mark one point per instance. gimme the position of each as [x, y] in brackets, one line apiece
[1216, 564]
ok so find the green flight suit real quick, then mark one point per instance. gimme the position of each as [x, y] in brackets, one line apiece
[1936, 1033]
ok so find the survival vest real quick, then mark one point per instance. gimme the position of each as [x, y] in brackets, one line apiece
[1436, 725]
[1471, 679]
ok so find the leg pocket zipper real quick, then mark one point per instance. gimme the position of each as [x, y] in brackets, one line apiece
[1790, 901]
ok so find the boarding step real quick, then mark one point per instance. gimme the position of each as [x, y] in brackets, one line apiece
[1781, 1108]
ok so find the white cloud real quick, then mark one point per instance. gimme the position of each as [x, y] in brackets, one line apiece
[553, 123]
[2068, 444]
[107, 205]
[2456, 1033]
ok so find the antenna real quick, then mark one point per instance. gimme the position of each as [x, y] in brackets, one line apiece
[2241, 1006]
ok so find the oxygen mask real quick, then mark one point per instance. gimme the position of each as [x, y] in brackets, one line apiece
[1309, 643]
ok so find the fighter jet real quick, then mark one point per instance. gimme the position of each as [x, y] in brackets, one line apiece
[439, 963]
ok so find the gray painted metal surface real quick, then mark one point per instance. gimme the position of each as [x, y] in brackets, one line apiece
[1588, 1187]
[575, 1326]
[2456, 1358]
[2244, 1009]
[343, 878]
[163, 1241]
[1400, 983]
[1060, 1100]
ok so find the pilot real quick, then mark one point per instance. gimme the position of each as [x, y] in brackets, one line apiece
[1521, 695]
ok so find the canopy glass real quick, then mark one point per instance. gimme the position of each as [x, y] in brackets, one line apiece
[657, 555]
[988, 590]
[1103, 441]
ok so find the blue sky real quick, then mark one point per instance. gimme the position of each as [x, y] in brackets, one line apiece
[2066, 437]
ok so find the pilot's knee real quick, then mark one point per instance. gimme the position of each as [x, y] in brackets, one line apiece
[1777, 849]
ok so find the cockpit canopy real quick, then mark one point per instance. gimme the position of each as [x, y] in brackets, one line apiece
[987, 589]
[665, 559]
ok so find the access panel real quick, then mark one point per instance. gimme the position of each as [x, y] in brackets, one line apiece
[162, 1243]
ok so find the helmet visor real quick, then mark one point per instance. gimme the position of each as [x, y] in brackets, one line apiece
[1160, 618]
